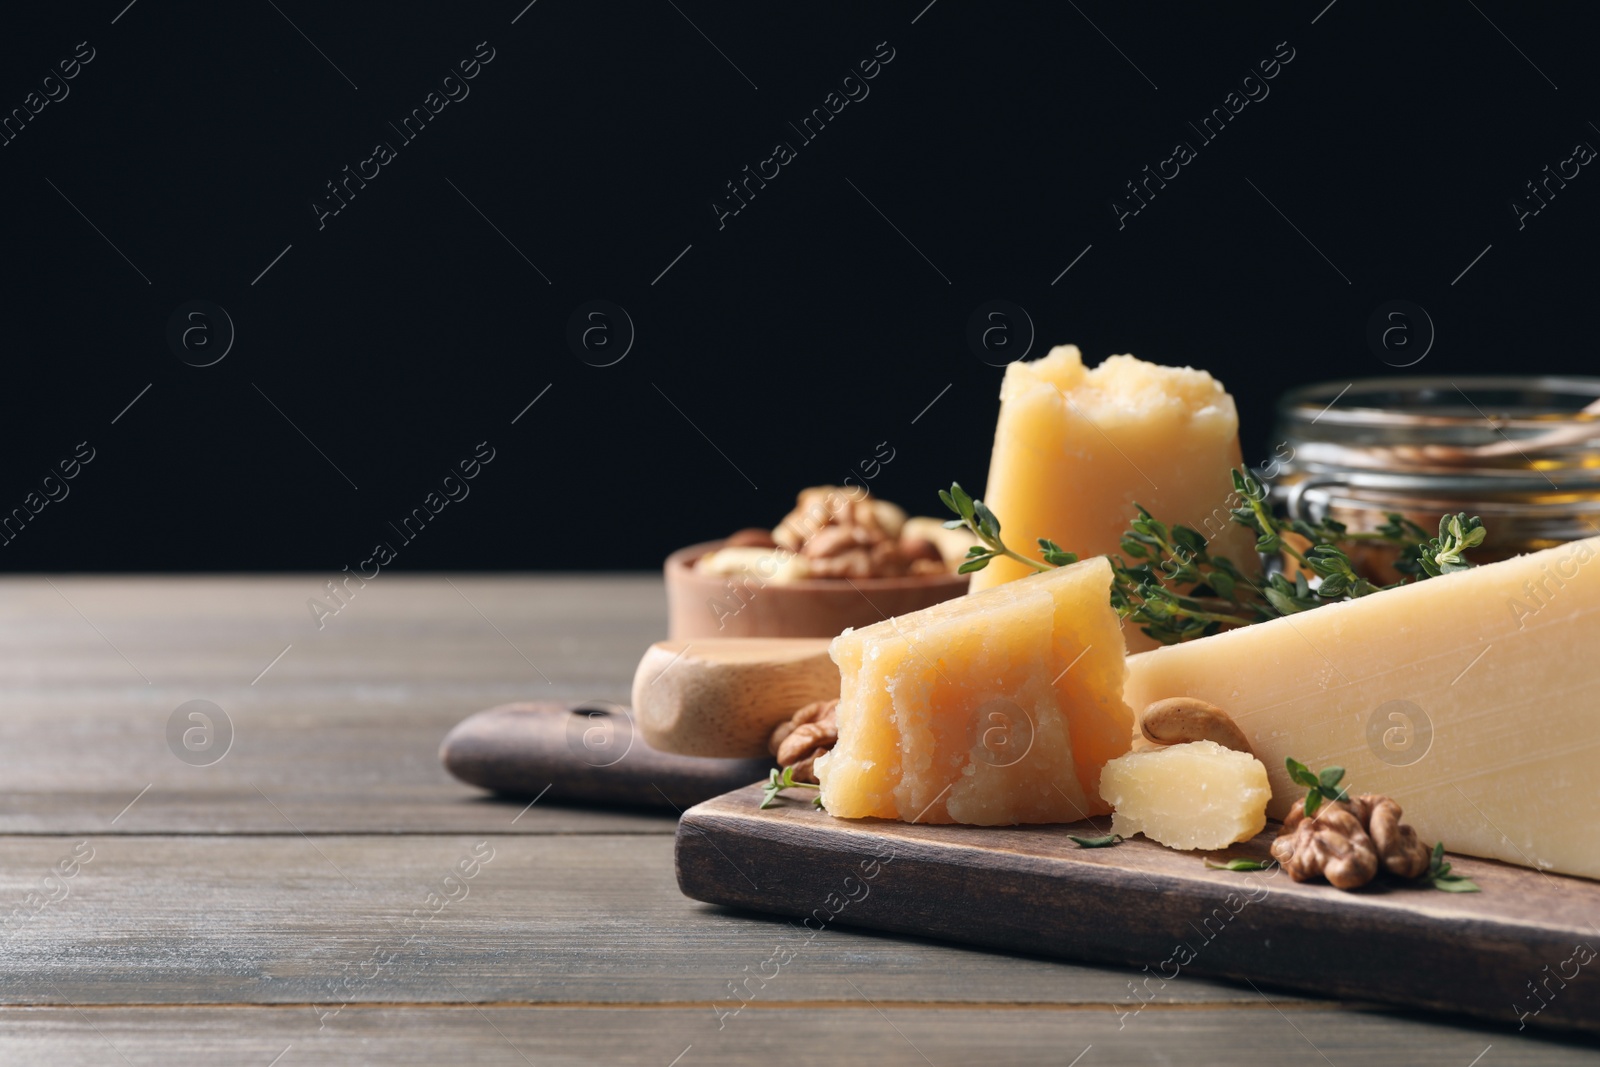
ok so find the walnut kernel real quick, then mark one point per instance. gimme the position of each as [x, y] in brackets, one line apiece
[805, 735]
[1401, 851]
[845, 533]
[1332, 843]
[1349, 842]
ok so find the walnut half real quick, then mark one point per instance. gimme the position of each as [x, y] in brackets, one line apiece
[805, 735]
[1401, 851]
[1347, 843]
[1332, 843]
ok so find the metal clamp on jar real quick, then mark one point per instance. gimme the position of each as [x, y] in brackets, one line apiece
[1522, 453]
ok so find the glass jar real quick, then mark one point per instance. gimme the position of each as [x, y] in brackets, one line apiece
[1523, 453]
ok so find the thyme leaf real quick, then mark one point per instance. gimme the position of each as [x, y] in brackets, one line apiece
[1098, 842]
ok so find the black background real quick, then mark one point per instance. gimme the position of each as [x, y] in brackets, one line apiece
[797, 337]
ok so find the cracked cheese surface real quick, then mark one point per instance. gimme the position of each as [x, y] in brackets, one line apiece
[995, 708]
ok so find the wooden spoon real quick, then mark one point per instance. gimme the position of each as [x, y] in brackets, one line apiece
[722, 696]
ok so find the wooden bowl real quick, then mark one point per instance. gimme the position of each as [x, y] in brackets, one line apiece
[711, 605]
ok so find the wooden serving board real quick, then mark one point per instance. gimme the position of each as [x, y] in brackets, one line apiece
[586, 753]
[1512, 955]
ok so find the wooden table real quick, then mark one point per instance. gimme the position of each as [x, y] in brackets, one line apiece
[325, 893]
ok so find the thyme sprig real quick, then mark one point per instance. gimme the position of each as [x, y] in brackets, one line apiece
[1439, 875]
[974, 515]
[1168, 582]
[1443, 554]
[779, 780]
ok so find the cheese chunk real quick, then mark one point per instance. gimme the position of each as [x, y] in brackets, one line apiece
[1472, 699]
[991, 709]
[1076, 450]
[1195, 795]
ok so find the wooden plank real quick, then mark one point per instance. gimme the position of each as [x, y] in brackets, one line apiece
[851, 1030]
[341, 732]
[556, 919]
[1032, 889]
[174, 635]
[383, 809]
[329, 765]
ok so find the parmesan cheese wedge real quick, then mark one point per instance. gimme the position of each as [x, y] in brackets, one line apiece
[996, 708]
[1472, 699]
[1077, 450]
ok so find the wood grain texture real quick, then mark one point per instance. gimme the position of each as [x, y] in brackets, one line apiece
[1032, 889]
[342, 732]
[856, 1029]
[548, 919]
[178, 634]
